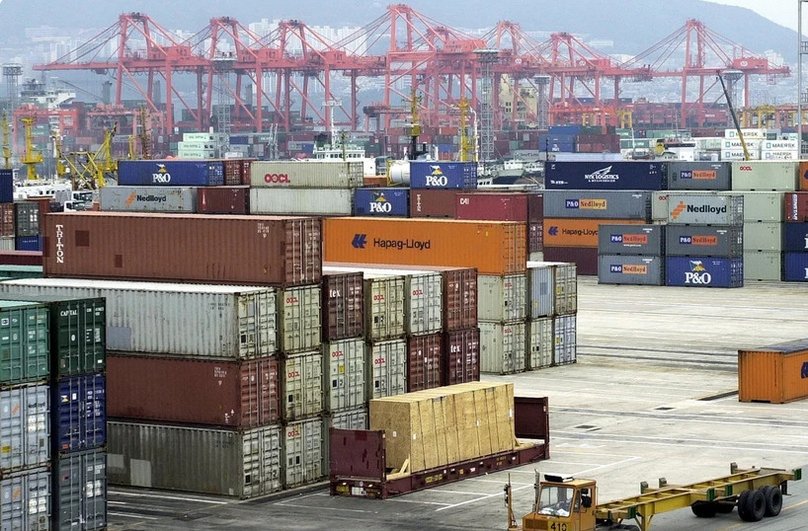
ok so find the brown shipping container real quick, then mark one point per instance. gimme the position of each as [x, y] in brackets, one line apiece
[21, 258]
[535, 207]
[44, 203]
[585, 258]
[433, 204]
[424, 358]
[343, 306]
[223, 200]
[803, 176]
[535, 237]
[569, 232]
[243, 394]
[184, 248]
[232, 172]
[492, 206]
[246, 164]
[6, 219]
[796, 206]
[461, 356]
[774, 374]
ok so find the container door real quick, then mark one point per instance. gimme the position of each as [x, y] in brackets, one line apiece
[346, 374]
[303, 385]
[37, 426]
[389, 369]
[257, 329]
[515, 297]
[262, 462]
[542, 292]
[12, 427]
[424, 303]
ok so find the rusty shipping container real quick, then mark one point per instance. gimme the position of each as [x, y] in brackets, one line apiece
[796, 208]
[492, 206]
[191, 247]
[433, 204]
[238, 394]
[223, 200]
[424, 357]
[343, 304]
[494, 248]
[535, 237]
[564, 232]
[774, 374]
[6, 219]
[461, 356]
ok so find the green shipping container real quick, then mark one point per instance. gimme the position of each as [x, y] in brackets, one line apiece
[20, 271]
[24, 343]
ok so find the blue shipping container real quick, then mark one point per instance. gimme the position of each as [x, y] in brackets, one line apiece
[795, 267]
[703, 272]
[605, 176]
[79, 413]
[6, 186]
[240, 139]
[174, 172]
[29, 243]
[555, 139]
[564, 130]
[443, 175]
[382, 202]
[795, 237]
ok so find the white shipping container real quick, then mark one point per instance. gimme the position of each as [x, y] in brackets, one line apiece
[309, 201]
[541, 291]
[24, 428]
[345, 374]
[208, 145]
[503, 347]
[388, 369]
[765, 175]
[779, 155]
[384, 306]
[780, 145]
[501, 297]
[535, 257]
[302, 385]
[148, 198]
[299, 318]
[351, 419]
[304, 452]
[7, 243]
[196, 320]
[747, 133]
[761, 206]
[196, 154]
[200, 137]
[307, 174]
[762, 265]
[763, 236]
[25, 501]
[565, 349]
[734, 145]
[565, 279]
[540, 342]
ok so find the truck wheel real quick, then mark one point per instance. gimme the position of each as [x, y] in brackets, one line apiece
[703, 509]
[774, 500]
[754, 506]
[724, 507]
[742, 504]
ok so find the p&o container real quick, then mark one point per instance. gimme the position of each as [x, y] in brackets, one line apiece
[223, 200]
[502, 347]
[25, 500]
[394, 202]
[24, 343]
[443, 175]
[605, 176]
[628, 269]
[302, 385]
[306, 174]
[715, 241]
[148, 199]
[640, 240]
[461, 356]
[795, 237]
[570, 232]
[704, 272]
[705, 209]
[699, 175]
[25, 428]
[765, 175]
[345, 368]
[78, 413]
[343, 305]
[424, 358]
[603, 204]
[795, 267]
[80, 491]
[776, 374]
[388, 368]
[174, 172]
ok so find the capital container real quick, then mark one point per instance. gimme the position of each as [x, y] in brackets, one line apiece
[631, 270]
[342, 305]
[424, 357]
[567, 232]
[795, 267]
[80, 491]
[25, 500]
[535, 237]
[795, 237]
[763, 236]
[443, 175]
[492, 206]
[388, 368]
[540, 343]
[584, 258]
[639, 240]
[299, 325]
[223, 200]
[796, 206]
[6, 185]
[196, 320]
[345, 370]
[502, 347]
[240, 394]
[24, 342]
[7, 219]
[605, 176]
[565, 332]
[174, 172]
[304, 452]
[25, 428]
[78, 413]
[765, 175]
[704, 272]
[699, 175]
[433, 204]
[27, 220]
[776, 373]
[762, 265]
[226, 462]
[461, 356]
[302, 382]
[501, 297]
[393, 202]
[148, 199]
[302, 201]
[306, 174]
[716, 241]
[608, 204]
[705, 209]
[191, 247]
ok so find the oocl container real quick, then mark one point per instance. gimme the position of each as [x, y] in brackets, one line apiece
[302, 385]
[80, 491]
[299, 324]
[602, 204]
[148, 199]
[342, 305]
[492, 206]
[605, 175]
[394, 202]
[223, 200]
[303, 452]
[191, 247]
[24, 413]
[175, 172]
[699, 175]
[795, 237]
[796, 206]
[443, 175]
[705, 209]
[78, 407]
[704, 272]
[716, 241]
[502, 347]
[540, 342]
[306, 174]
[388, 371]
[433, 204]
[345, 366]
[384, 305]
[765, 175]
[562, 232]
[565, 332]
[795, 267]
[461, 356]
[776, 373]
[639, 240]
[302, 201]
[634, 270]
[25, 500]
[424, 356]
[501, 297]
[24, 342]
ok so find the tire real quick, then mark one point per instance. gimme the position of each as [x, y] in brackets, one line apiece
[754, 506]
[724, 507]
[742, 504]
[774, 500]
[703, 509]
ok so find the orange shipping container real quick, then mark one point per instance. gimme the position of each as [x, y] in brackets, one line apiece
[775, 374]
[564, 232]
[494, 248]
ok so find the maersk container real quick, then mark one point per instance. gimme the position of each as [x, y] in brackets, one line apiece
[795, 237]
[306, 174]
[245, 464]
[424, 357]
[387, 368]
[565, 349]
[382, 202]
[705, 209]
[763, 236]
[795, 267]
[207, 321]
[299, 325]
[503, 347]
[79, 497]
[501, 297]
[174, 172]
[541, 291]
[24, 428]
[148, 199]
[79, 413]
[761, 206]
[704, 272]
[762, 265]
[345, 373]
[715, 241]
[25, 501]
[765, 175]
[699, 175]
[304, 452]
[443, 175]
[565, 282]
[26, 219]
[24, 342]
[605, 176]
[622, 204]
[28, 243]
[6, 185]
[631, 270]
[302, 201]
[540, 342]
[302, 385]
[639, 240]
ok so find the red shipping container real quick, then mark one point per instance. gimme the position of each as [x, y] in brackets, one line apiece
[232, 172]
[262, 250]
[461, 356]
[585, 258]
[21, 258]
[433, 204]
[239, 394]
[424, 358]
[223, 200]
[7, 219]
[343, 306]
[796, 206]
[492, 206]
[535, 237]
[535, 207]
[245, 170]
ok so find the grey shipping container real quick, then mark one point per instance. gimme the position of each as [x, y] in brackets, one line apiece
[763, 236]
[80, 491]
[612, 204]
[304, 452]
[312, 201]
[762, 265]
[25, 501]
[565, 279]
[705, 209]
[503, 347]
[631, 270]
[684, 175]
[299, 324]
[350, 419]
[565, 332]
[713, 241]
[345, 372]
[148, 199]
[302, 385]
[501, 297]
[24, 428]
[26, 218]
[765, 175]
[541, 291]
[640, 240]
[244, 464]
[387, 369]
[540, 341]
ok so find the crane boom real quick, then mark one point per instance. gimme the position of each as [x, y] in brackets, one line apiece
[734, 118]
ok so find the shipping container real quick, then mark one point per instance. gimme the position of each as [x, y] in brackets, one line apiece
[535, 237]
[541, 290]
[28, 243]
[774, 374]
[387, 368]
[343, 305]
[540, 343]
[240, 394]
[762, 265]
[78, 407]
[564, 284]
[302, 201]
[9, 243]
[585, 258]
[802, 176]
[461, 356]
[384, 305]
[633, 270]
[9, 256]
[24, 428]
[234, 170]
[765, 175]
[562, 232]
[763, 236]
[20, 271]
[191, 247]
[394, 202]
[424, 358]
[304, 452]
[146, 317]
[345, 372]
[503, 347]
[80, 491]
[306, 174]
[24, 342]
[492, 206]
[659, 207]
[565, 349]
[623, 204]
[350, 419]
[795, 237]
[715, 241]
[299, 325]
[535, 206]
[443, 175]
[605, 175]
[705, 209]
[26, 219]
[501, 297]
[433, 204]
[223, 200]
[699, 175]
[761, 206]
[639, 240]
[6, 186]
[302, 381]
[148, 199]
[7, 226]
[795, 267]
[704, 272]
[25, 501]
[245, 464]
[796, 206]
[173, 172]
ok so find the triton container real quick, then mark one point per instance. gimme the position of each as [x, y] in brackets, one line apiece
[603, 204]
[424, 357]
[306, 174]
[148, 199]
[443, 175]
[638, 270]
[705, 209]
[394, 202]
[715, 241]
[704, 272]
[388, 368]
[174, 172]
[640, 240]
[223, 200]
[461, 356]
[605, 176]
[774, 374]
[699, 175]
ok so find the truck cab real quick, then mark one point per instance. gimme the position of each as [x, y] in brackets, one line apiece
[563, 504]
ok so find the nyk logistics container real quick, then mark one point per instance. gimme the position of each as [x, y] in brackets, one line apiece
[25, 336]
[616, 175]
[795, 267]
[704, 272]
[776, 374]
[492, 206]
[603, 204]
[306, 174]
[443, 175]
[394, 202]
[25, 500]
[345, 373]
[174, 172]
[699, 175]
[633, 270]
[148, 199]
[79, 496]
[494, 248]
[191, 247]
[24, 413]
[223, 200]
[302, 201]
[461, 356]
[565, 232]
[705, 209]
[795, 237]
[433, 204]
[502, 347]
[796, 206]
[695, 240]
[765, 175]
[639, 240]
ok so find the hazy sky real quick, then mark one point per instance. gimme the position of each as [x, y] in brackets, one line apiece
[783, 12]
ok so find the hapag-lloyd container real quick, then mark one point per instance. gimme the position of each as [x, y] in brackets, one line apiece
[564, 285]
[632, 270]
[78, 413]
[388, 368]
[704, 272]
[174, 172]
[197, 320]
[25, 500]
[393, 202]
[605, 176]
[148, 199]
[424, 357]
[223, 200]
[306, 174]
[24, 427]
[244, 464]
[795, 237]
[302, 201]
[24, 336]
[765, 175]
[191, 247]
[699, 175]
[343, 305]
[540, 342]
[299, 325]
[443, 175]
[80, 491]
[623, 204]
[715, 241]
[461, 356]
[565, 332]
[346, 369]
[763, 236]
[584, 258]
[302, 385]
[501, 297]
[705, 209]
[492, 206]
[503, 347]
[433, 204]
[640, 240]
[569, 232]
[303, 452]
[774, 374]
[239, 394]
[795, 267]
[796, 206]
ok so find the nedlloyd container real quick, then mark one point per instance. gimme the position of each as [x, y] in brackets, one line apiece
[173, 172]
[715, 240]
[762, 265]
[765, 175]
[603, 204]
[639, 240]
[303, 452]
[307, 174]
[78, 407]
[705, 209]
[80, 491]
[461, 356]
[394, 202]
[763, 236]
[302, 201]
[631, 270]
[299, 325]
[206, 321]
[25, 500]
[25, 428]
[541, 291]
[704, 272]
[302, 381]
[699, 175]
[565, 280]
[540, 343]
[424, 358]
[605, 176]
[565, 350]
[443, 175]
[795, 267]
[795, 237]
[502, 347]
[244, 464]
[25, 339]
[387, 368]
[345, 372]
[148, 199]
[796, 206]
[501, 298]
